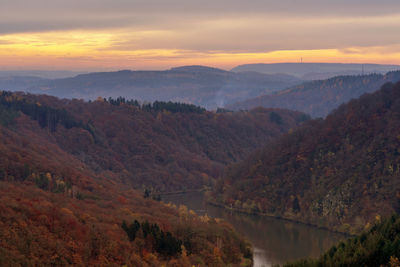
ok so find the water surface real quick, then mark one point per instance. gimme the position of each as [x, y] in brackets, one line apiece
[275, 241]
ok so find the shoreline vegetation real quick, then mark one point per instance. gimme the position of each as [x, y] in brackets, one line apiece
[208, 200]
[255, 213]
[377, 246]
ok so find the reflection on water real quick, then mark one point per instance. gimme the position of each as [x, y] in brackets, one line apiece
[274, 240]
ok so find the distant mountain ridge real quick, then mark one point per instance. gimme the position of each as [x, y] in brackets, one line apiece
[199, 85]
[319, 98]
[44, 74]
[317, 71]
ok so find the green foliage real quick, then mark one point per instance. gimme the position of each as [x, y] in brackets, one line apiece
[7, 115]
[131, 230]
[375, 247]
[173, 107]
[223, 110]
[121, 100]
[79, 196]
[296, 205]
[163, 243]
[157, 106]
[147, 193]
[46, 116]
[275, 117]
[42, 182]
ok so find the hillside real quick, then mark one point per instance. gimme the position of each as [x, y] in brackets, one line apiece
[67, 169]
[338, 173]
[317, 71]
[164, 146]
[204, 86]
[319, 98]
[378, 246]
[64, 226]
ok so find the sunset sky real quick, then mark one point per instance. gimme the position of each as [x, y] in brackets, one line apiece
[159, 34]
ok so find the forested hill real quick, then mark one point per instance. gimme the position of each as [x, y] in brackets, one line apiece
[339, 173]
[204, 86]
[319, 98]
[317, 71]
[161, 146]
[378, 245]
[67, 169]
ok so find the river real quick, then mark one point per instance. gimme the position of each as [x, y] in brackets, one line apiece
[275, 241]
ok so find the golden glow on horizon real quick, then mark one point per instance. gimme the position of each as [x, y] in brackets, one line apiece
[101, 50]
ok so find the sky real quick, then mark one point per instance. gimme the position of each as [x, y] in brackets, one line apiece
[160, 34]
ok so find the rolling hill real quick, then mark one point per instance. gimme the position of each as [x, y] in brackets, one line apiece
[319, 98]
[204, 86]
[317, 71]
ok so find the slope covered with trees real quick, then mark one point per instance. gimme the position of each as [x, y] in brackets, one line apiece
[339, 173]
[319, 98]
[66, 181]
[378, 246]
[163, 146]
[60, 223]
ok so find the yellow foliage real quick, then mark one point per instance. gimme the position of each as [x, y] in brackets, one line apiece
[394, 262]
[67, 211]
[204, 218]
[183, 211]
[48, 176]
[192, 213]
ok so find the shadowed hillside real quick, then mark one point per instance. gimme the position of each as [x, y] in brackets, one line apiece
[163, 146]
[319, 98]
[67, 169]
[339, 173]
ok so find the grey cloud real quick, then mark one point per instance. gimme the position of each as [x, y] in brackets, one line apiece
[258, 25]
[42, 15]
[337, 7]
[263, 37]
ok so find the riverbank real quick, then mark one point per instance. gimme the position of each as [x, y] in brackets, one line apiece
[274, 241]
[182, 192]
[243, 211]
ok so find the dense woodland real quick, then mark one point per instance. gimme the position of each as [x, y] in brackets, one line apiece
[42, 227]
[378, 246]
[68, 170]
[319, 98]
[338, 173]
[161, 146]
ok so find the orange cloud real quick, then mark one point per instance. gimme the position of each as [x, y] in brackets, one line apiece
[102, 50]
